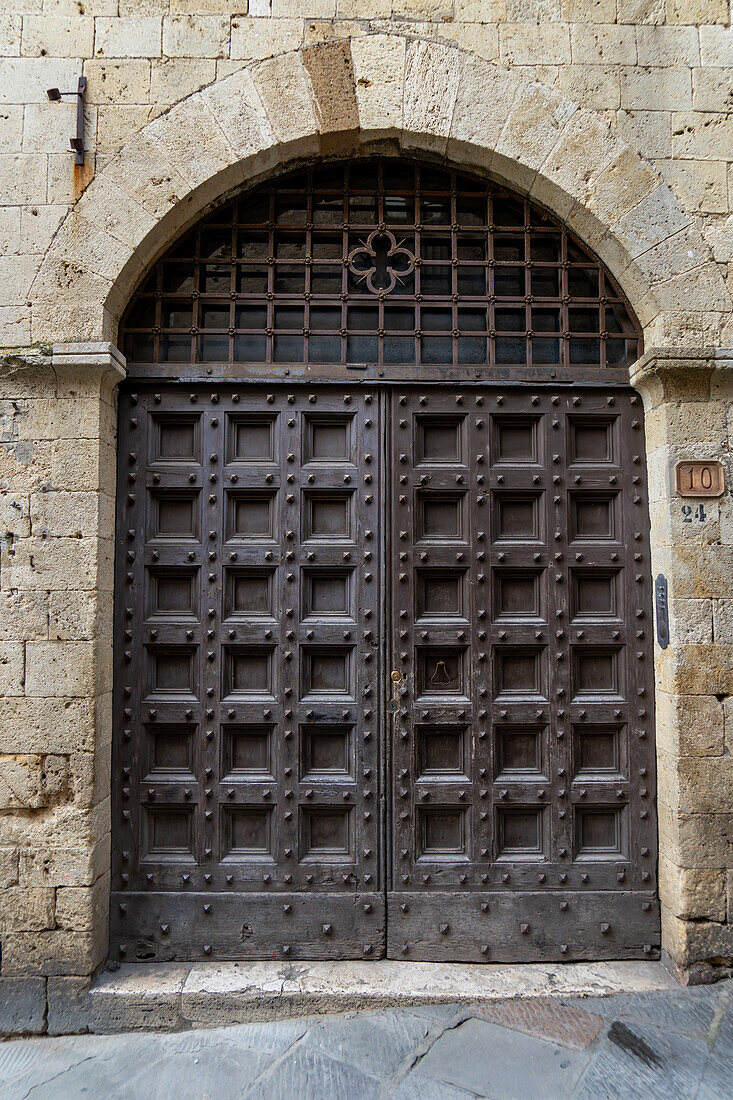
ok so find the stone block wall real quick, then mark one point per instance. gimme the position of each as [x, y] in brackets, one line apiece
[659, 71]
[689, 414]
[57, 463]
[617, 114]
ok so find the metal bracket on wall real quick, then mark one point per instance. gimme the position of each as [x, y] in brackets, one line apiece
[77, 142]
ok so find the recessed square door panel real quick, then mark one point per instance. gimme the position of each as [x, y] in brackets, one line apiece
[517, 440]
[176, 439]
[520, 834]
[441, 593]
[252, 438]
[170, 750]
[441, 750]
[252, 515]
[248, 751]
[327, 593]
[172, 593]
[327, 750]
[167, 835]
[441, 671]
[595, 594]
[249, 593]
[328, 514]
[383, 662]
[175, 515]
[440, 516]
[600, 751]
[521, 672]
[249, 671]
[246, 833]
[592, 440]
[327, 834]
[442, 833]
[600, 833]
[520, 751]
[594, 516]
[518, 594]
[329, 439]
[440, 440]
[172, 671]
[517, 516]
[327, 671]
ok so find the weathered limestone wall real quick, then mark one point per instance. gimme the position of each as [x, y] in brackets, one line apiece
[659, 71]
[57, 427]
[689, 414]
[616, 114]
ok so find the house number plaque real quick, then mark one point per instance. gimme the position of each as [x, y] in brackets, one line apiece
[699, 479]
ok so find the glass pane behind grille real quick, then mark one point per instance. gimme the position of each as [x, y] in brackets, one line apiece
[381, 261]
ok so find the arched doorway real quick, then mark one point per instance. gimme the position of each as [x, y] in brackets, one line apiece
[383, 670]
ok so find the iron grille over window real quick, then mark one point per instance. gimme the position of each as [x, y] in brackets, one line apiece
[381, 261]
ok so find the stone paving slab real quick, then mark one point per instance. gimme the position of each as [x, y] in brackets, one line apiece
[376, 1045]
[722, 1028]
[420, 1087]
[274, 1039]
[667, 1045]
[188, 1075]
[717, 1080]
[466, 1058]
[310, 1073]
[568, 1025]
[690, 1011]
[674, 1069]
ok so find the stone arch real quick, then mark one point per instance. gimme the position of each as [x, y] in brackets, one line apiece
[391, 92]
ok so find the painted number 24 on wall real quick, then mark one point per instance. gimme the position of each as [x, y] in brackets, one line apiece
[694, 513]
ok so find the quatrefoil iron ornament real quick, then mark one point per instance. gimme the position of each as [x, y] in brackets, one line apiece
[381, 261]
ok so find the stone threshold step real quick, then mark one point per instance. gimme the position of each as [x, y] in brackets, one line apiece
[169, 997]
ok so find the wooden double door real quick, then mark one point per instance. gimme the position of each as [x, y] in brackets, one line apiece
[383, 674]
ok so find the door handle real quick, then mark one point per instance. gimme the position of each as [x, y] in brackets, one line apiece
[394, 703]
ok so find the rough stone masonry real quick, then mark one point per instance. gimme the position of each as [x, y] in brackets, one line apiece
[615, 114]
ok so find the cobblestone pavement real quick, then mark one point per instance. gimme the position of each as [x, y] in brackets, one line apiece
[667, 1044]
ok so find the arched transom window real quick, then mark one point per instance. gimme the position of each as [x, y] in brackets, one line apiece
[381, 261]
